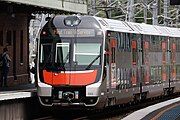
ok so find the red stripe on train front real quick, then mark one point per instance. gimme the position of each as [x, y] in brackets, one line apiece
[70, 77]
[47, 77]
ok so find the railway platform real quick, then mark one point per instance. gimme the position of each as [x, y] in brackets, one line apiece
[19, 103]
[171, 112]
[168, 110]
[17, 92]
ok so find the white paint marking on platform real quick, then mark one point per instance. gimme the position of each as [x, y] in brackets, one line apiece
[138, 115]
[14, 95]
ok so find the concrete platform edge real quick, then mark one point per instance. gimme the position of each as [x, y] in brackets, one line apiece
[140, 114]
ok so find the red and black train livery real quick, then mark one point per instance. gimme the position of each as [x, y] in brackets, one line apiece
[94, 62]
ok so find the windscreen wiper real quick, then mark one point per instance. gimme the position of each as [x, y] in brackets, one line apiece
[62, 68]
[66, 58]
[90, 64]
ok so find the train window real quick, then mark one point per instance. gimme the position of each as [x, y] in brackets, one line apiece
[124, 41]
[153, 40]
[128, 43]
[85, 53]
[155, 43]
[1, 38]
[134, 52]
[153, 72]
[178, 72]
[146, 37]
[178, 48]
[8, 37]
[173, 52]
[160, 74]
[120, 41]
[62, 53]
[178, 44]
[113, 50]
[163, 38]
[45, 53]
[124, 78]
[156, 72]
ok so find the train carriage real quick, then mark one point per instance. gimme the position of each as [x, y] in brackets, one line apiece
[88, 61]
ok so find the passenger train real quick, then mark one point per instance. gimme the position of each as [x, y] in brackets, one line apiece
[93, 62]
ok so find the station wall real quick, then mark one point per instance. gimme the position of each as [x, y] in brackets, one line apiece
[14, 35]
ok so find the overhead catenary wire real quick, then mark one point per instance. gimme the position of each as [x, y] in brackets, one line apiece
[157, 12]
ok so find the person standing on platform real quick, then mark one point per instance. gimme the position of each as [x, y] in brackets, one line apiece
[5, 67]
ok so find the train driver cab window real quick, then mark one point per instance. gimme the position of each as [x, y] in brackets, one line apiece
[87, 53]
[62, 53]
[45, 53]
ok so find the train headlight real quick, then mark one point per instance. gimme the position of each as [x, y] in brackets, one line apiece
[46, 100]
[76, 22]
[72, 21]
[76, 95]
[67, 22]
[44, 33]
[60, 95]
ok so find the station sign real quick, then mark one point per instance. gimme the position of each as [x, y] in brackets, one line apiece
[76, 32]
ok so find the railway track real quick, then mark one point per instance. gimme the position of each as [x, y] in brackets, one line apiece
[110, 113]
[45, 118]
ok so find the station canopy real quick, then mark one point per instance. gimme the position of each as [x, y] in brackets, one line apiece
[75, 6]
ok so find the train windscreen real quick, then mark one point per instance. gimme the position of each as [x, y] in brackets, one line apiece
[85, 53]
[69, 48]
[46, 53]
[62, 53]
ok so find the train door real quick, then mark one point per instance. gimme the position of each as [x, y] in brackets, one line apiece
[145, 61]
[113, 48]
[164, 71]
[137, 59]
[111, 63]
[173, 60]
[169, 69]
[134, 63]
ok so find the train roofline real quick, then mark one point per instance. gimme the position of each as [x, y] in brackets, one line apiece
[138, 28]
